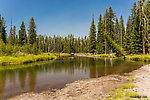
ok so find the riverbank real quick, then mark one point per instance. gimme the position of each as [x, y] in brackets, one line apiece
[145, 58]
[96, 88]
[12, 60]
[93, 55]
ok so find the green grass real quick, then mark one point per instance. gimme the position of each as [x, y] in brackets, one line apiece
[131, 79]
[145, 58]
[131, 93]
[124, 93]
[128, 86]
[9, 60]
[101, 55]
[111, 93]
[18, 66]
[117, 96]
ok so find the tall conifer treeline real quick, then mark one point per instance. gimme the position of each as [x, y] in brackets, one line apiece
[111, 36]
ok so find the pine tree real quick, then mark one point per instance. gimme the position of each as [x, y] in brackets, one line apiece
[111, 29]
[137, 43]
[128, 36]
[32, 32]
[100, 46]
[117, 31]
[147, 10]
[13, 35]
[92, 36]
[46, 44]
[4, 35]
[147, 24]
[22, 35]
[0, 26]
[10, 36]
[133, 36]
[3, 30]
[105, 21]
[122, 31]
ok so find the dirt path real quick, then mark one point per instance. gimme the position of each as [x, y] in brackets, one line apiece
[94, 89]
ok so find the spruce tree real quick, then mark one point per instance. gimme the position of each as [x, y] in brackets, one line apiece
[92, 44]
[4, 37]
[117, 30]
[100, 46]
[46, 44]
[32, 32]
[128, 36]
[147, 23]
[105, 21]
[133, 36]
[13, 35]
[122, 32]
[147, 10]
[137, 43]
[111, 29]
[10, 36]
[0, 26]
[22, 35]
[3, 30]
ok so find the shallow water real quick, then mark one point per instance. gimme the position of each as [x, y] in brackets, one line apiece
[60, 72]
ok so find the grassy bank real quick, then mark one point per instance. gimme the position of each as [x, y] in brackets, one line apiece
[9, 60]
[145, 58]
[96, 55]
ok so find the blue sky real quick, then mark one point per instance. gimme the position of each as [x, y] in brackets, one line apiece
[61, 17]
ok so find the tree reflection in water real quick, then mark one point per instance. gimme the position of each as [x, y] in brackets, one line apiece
[56, 74]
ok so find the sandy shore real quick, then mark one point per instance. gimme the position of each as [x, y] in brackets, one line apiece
[94, 89]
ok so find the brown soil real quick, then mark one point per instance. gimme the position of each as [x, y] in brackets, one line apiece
[94, 89]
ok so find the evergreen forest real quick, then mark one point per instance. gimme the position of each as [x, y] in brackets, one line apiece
[110, 35]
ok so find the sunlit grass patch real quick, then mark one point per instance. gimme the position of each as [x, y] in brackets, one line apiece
[117, 95]
[111, 93]
[128, 86]
[125, 93]
[145, 58]
[131, 79]
[131, 93]
[8, 60]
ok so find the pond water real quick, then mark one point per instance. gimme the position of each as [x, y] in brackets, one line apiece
[55, 74]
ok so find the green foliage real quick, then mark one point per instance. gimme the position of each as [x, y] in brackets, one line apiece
[131, 93]
[22, 35]
[123, 37]
[110, 32]
[26, 59]
[138, 57]
[32, 32]
[2, 48]
[100, 47]
[12, 33]
[136, 43]
[128, 86]
[111, 93]
[117, 31]
[131, 79]
[92, 36]
[128, 36]
[3, 30]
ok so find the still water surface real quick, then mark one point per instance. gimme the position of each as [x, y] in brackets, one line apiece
[60, 72]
